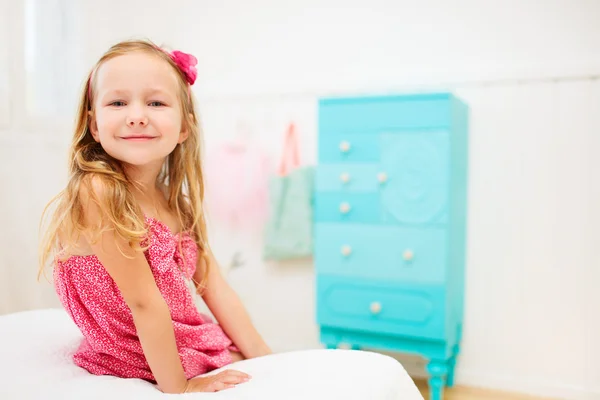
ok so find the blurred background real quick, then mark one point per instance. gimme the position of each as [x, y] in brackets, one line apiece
[529, 71]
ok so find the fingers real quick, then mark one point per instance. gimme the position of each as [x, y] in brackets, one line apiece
[232, 372]
[228, 379]
[233, 380]
[218, 386]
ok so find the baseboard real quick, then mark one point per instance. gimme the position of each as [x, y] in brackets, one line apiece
[552, 390]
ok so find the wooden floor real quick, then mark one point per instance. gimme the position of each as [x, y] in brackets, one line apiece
[467, 393]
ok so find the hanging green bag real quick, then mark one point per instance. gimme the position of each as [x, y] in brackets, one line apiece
[289, 230]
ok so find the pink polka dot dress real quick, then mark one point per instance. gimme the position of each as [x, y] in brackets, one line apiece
[110, 345]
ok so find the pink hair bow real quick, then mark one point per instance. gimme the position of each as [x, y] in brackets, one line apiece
[187, 64]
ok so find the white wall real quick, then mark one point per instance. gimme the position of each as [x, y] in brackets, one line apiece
[275, 46]
[532, 262]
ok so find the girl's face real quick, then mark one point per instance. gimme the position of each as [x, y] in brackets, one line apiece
[137, 111]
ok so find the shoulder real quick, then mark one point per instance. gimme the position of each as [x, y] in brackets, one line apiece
[103, 203]
[93, 187]
[104, 195]
[86, 219]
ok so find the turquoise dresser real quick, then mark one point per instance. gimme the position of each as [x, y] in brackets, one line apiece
[390, 226]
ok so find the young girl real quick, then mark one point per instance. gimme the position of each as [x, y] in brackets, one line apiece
[128, 231]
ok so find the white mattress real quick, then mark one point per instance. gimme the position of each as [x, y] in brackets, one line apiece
[35, 363]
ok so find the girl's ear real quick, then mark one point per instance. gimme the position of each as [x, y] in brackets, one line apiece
[183, 135]
[93, 126]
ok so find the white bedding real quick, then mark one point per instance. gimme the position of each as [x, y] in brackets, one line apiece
[35, 363]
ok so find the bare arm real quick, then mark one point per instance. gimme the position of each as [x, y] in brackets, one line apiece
[151, 314]
[229, 311]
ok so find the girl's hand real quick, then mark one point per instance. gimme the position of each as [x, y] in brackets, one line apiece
[223, 380]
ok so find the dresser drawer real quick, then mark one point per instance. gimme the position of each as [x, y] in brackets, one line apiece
[381, 307]
[347, 207]
[340, 148]
[368, 208]
[369, 114]
[349, 178]
[410, 255]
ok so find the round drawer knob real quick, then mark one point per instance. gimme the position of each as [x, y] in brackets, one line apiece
[344, 146]
[344, 207]
[382, 177]
[346, 250]
[408, 255]
[375, 307]
[345, 177]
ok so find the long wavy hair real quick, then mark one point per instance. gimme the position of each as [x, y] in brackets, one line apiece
[181, 174]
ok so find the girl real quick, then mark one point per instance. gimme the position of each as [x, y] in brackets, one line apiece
[129, 228]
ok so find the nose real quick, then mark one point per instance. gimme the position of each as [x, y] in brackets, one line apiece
[137, 117]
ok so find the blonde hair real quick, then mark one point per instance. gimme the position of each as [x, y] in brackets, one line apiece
[181, 173]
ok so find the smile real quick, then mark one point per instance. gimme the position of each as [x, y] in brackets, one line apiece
[138, 138]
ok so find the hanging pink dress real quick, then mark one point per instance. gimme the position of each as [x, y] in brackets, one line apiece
[237, 185]
[110, 345]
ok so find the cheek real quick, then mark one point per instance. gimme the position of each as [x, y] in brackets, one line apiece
[106, 122]
[169, 124]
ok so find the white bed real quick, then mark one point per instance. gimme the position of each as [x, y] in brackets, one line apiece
[35, 363]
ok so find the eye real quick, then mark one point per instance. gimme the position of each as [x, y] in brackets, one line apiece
[117, 103]
[156, 104]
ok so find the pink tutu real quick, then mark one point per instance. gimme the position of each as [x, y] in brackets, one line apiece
[237, 184]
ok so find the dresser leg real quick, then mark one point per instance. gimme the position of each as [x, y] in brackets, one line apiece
[437, 375]
[452, 365]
